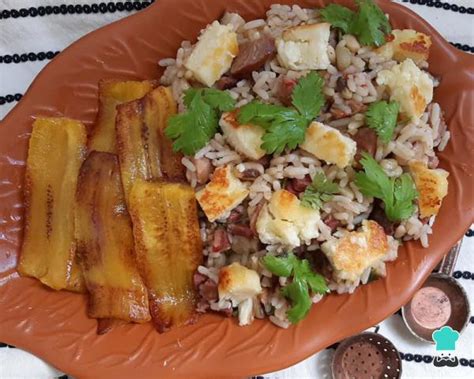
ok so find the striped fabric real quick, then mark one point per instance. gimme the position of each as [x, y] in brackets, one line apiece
[32, 32]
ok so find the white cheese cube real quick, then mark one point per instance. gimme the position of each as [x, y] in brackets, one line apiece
[409, 86]
[213, 54]
[352, 254]
[304, 47]
[432, 186]
[329, 144]
[238, 283]
[285, 221]
[406, 43]
[222, 194]
[246, 139]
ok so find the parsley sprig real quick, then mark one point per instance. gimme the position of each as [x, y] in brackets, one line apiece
[286, 127]
[369, 24]
[192, 129]
[304, 281]
[382, 117]
[397, 194]
[319, 191]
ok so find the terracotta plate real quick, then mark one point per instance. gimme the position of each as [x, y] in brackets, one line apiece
[54, 326]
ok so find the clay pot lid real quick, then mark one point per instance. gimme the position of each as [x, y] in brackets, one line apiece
[441, 301]
[366, 355]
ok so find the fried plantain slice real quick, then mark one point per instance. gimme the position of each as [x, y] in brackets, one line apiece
[56, 151]
[168, 248]
[144, 151]
[105, 244]
[111, 94]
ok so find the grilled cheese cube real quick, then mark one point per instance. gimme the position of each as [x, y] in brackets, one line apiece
[406, 43]
[409, 86]
[246, 139]
[285, 221]
[352, 254]
[329, 144]
[222, 194]
[304, 47]
[213, 54]
[432, 186]
[238, 283]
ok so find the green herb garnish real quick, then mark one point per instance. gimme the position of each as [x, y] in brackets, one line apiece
[286, 127]
[369, 24]
[193, 129]
[304, 280]
[397, 194]
[382, 117]
[319, 191]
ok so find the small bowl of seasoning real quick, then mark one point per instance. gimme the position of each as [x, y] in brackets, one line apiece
[441, 301]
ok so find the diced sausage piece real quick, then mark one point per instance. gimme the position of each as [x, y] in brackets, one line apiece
[299, 185]
[226, 82]
[198, 279]
[220, 241]
[254, 217]
[241, 230]
[378, 215]
[235, 216]
[208, 290]
[366, 140]
[331, 222]
[285, 90]
[253, 55]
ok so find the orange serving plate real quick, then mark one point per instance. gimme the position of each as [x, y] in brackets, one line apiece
[54, 325]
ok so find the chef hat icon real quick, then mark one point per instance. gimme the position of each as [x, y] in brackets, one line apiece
[445, 338]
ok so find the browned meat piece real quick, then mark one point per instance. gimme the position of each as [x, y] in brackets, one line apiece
[220, 241]
[241, 230]
[366, 140]
[356, 106]
[379, 216]
[254, 217]
[226, 82]
[198, 279]
[253, 55]
[331, 222]
[235, 216]
[285, 89]
[208, 290]
[299, 185]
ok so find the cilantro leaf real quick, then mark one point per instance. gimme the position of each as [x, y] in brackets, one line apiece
[308, 96]
[370, 24]
[297, 292]
[397, 194]
[286, 127]
[193, 129]
[319, 191]
[382, 117]
[281, 266]
[287, 130]
[304, 281]
[338, 16]
[217, 99]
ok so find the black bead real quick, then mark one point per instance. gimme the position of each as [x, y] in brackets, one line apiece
[32, 57]
[9, 98]
[41, 11]
[7, 59]
[5, 14]
[103, 7]
[418, 358]
[462, 9]
[50, 55]
[430, 3]
[466, 274]
[408, 357]
[412, 1]
[120, 7]
[48, 9]
[33, 12]
[438, 4]
[146, 4]
[16, 58]
[24, 57]
[18, 96]
[464, 362]
[454, 7]
[63, 9]
[402, 355]
[446, 6]
[470, 10]
[24, 12]
[70, 9]
[14, 13]
[1, 59]
[56, 10]
[422, 2]
[427, 358]
[129, 6]
[471, 362]
[41, 56]
[457, 274]
[95, 8]
[2, 100]
[86, 9]
[78, 9]
[111, 7]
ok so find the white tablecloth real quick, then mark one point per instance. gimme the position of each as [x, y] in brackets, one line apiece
[33, 31]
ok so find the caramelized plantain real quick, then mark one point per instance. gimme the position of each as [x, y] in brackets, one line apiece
[56, 152]
[168, 248]
[144, 151]
[111, 94]
[105, 244]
